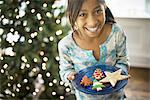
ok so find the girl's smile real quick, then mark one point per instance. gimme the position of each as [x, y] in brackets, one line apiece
[93, 30]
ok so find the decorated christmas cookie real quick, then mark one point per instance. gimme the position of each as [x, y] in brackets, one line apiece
[98, 74]
[114, 77]
[97, 85]
[86, 81]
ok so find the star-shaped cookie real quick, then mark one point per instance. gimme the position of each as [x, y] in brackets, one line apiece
[114, 77]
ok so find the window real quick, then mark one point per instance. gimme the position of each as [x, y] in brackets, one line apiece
[130, 8]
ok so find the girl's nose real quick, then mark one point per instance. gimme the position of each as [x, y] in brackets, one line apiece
[92, 21]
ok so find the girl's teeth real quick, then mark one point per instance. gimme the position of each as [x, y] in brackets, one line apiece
[92, 29]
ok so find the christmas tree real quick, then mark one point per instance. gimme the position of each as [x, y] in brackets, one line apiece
[29, 33]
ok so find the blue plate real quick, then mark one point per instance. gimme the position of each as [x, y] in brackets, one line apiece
[89, 72]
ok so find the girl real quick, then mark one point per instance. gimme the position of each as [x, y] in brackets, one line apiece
[96, 38]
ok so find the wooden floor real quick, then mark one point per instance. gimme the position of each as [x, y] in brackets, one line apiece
[138, 87]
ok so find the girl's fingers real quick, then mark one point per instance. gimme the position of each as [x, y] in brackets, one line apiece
[71, 76]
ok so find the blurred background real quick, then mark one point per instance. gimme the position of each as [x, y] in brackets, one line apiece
[134, 18]
[30, 31]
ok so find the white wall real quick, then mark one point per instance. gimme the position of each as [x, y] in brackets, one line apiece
[138, 40]
[129, 8]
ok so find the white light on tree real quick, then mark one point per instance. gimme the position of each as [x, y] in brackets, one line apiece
[39, 75]
[22, 39]
[57, 58]
[13, 94]
[58, 3]
[5, 21]
[17, 23]
[44, 66]
[2, 71]
[25, 23]
[45, 5]
[8, 84]
[34, 69]
[12, 30]
[27, 29]
[45, 39]
[28, 65]
[56, 12]
[17, 90]
[48, 74]
[2, 16]
[45, 59]
[23, 58]
[41, 22]
[5, 66]
[48, 14]
[51, 38]
[7, 91]
[36, 90]
[25, 80]
[34, 93]
[53, 93]
[32, 35]
[32, 10]
[1, 58]
[27, 2]
[27, 87]
[41, 53]
[11, 77]
[35, 33]
[1, 2]
[17, 17]
[55, 81]
[35, 60]
[50, 84]
[61, 97]
[12, 38]
[22, 67]
[22, 9]
[9, 51]
[58, 21]
[1, 31]
[12, 43]
[39, 16]
[59, 32]
[30, 41]
[16, 9]
[19, 85]
[11, 22]
[40, 28]
[67, 89]
[61, 83]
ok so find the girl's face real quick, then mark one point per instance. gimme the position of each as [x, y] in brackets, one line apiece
[91, 18]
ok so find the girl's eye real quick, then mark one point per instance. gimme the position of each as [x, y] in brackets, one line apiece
[99, 11]
[82, 15]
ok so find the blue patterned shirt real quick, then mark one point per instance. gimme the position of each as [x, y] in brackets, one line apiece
[112, 52]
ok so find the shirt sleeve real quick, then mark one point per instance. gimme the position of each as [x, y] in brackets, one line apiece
[65, 63]
[121, 49]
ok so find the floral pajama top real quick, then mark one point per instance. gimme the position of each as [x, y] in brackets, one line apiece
[112, 52]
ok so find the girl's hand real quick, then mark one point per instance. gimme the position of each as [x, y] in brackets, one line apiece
[71, 76]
